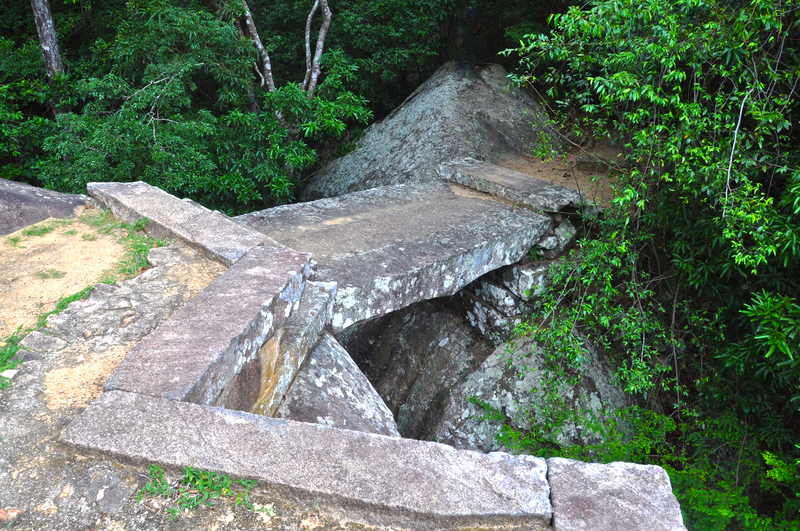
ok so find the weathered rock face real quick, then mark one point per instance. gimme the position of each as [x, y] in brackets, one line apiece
[331, 390]
[22, 205]
[498, 383]
[448, 117]
[611, 497]
[414, 357]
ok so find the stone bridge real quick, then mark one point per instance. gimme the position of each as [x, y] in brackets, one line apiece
[210, 377]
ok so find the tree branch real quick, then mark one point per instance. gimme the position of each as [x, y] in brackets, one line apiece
[323, 32]
[308, 44]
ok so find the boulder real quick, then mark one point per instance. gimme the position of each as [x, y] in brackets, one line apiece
[22, 205]
[449, 117]
[513, 381]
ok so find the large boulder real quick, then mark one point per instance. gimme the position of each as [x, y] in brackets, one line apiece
[449, 117]
[515, 382]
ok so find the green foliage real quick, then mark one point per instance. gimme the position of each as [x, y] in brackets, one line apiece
[194, 489]
[690, 281]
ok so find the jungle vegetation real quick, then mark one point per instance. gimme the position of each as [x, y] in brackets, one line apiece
[690, 281]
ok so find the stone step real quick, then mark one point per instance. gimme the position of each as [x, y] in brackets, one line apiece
[284, 354]
[513, 186]
[206, 352]
[364, 477]
[214, 233]
[392, 246]
[330, 389]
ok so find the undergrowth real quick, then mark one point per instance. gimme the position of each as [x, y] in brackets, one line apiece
[196, 488]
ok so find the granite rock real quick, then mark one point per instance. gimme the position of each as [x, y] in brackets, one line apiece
[513, 380]
[611, 497]
[330, 389]
[448, 117]
[22, 205]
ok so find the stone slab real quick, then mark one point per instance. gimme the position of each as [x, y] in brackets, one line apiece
[392, 246]
[612, 497]
[513, 186]
[285, 352]
[169, 217]
[196, 353]
[22, 205]
[376, 479]
[498, 297]
[330, 389]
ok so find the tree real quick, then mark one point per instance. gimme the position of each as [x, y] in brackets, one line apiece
[49, 42]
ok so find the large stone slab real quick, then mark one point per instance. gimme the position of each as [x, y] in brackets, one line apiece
[516, 187]
[202, 347]
[392, 246]
[22, 205]
[330, 389]
[169, 217]
[285, 352]
[377, 479]
[612, 497]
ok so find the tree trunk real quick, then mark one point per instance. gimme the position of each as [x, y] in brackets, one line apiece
[47, 37]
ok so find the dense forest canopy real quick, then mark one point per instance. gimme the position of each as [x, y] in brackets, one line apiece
[690, 281]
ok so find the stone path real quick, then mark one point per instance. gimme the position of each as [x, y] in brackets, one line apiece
[386, 248]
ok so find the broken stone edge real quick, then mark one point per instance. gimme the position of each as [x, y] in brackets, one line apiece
[403, 483]
[217, 236]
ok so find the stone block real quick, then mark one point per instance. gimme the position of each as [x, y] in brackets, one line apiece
[554, 243]
[392, 246]
[363, 477]
[512, 186]
[527, 281]
[612, 497]
[203, 346]
[284, 353]
[330, 389]
[498, 297]
[213, 233]
[484, 317]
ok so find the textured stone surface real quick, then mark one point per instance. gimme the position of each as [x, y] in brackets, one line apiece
[410, 484]
[396, 245]
[213, 233]
[612, 497]
[527, 280]
[330, 389]
[285, 352]
[516, 187]
[204, 345]
[448, 117]
[22, 205]
[516, 389]
[500, 298]
[493, 324]
[414, 357]
[555, 242]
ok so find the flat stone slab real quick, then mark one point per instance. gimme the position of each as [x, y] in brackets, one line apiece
[513, 186]
[284, 353]
[392, 246]
[22, 205]
[169, 217]
[612, 497]
[198, 351]
[330, 389]
[377, 479]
